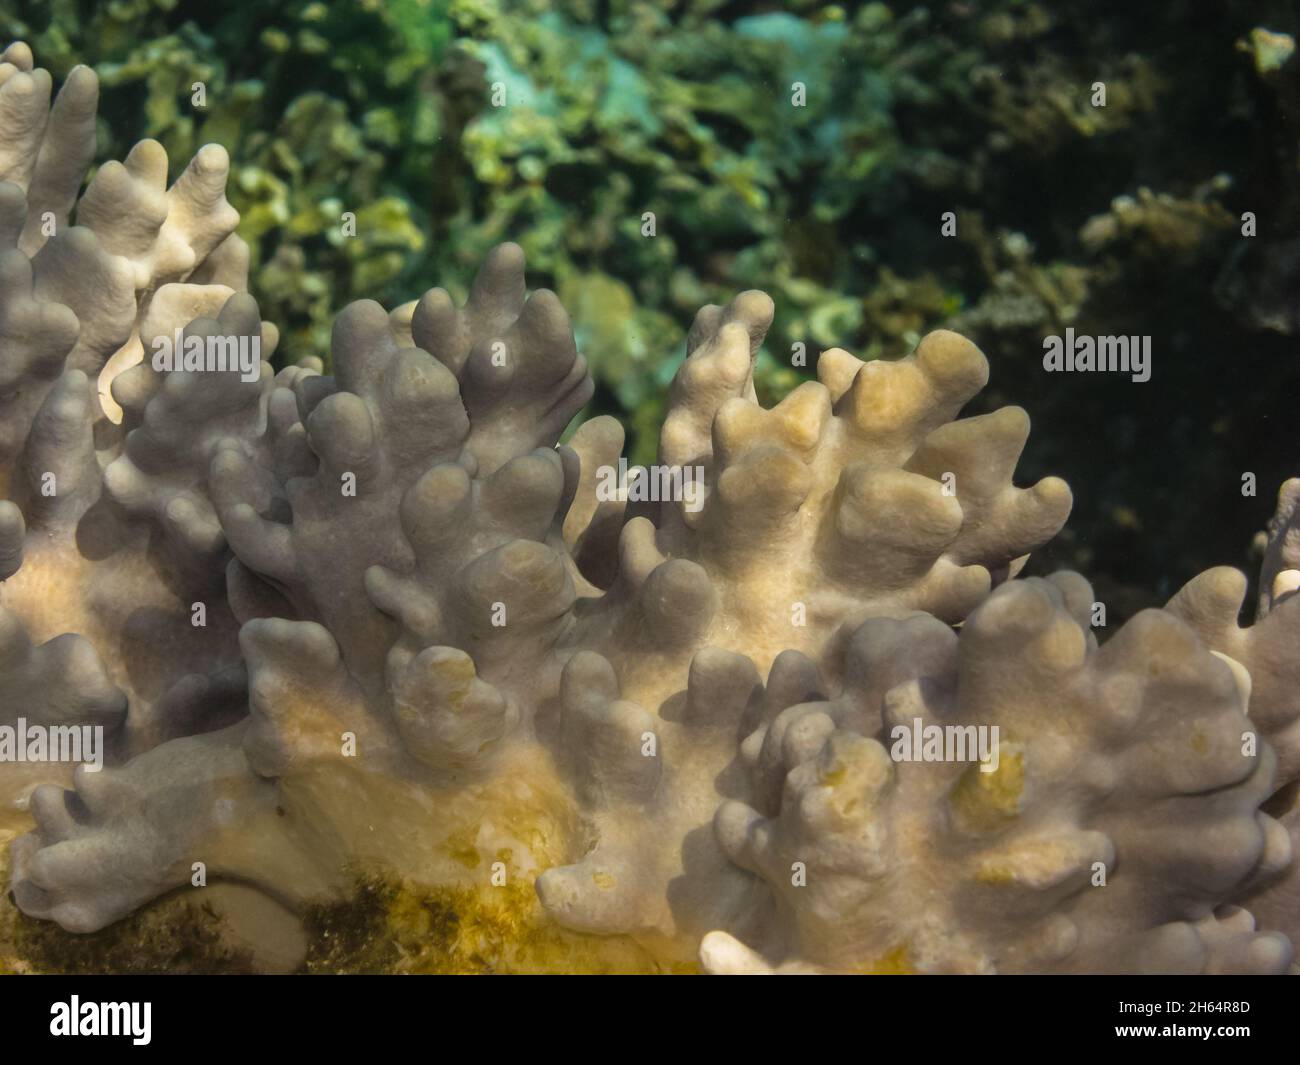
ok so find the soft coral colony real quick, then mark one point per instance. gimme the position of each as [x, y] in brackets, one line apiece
[379, 620]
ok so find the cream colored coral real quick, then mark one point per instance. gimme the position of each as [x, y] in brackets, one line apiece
[854, 497]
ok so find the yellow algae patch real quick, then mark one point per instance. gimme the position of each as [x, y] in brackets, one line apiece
[175, 935]
[391, 926]
[460, 847]
[1039, 863]
[983, 801]
[386, 926]
[995, 873]
[1200, 741]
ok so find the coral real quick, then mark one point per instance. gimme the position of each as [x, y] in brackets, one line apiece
[114, 542]
[377, 645]
[952, 869]
[285, 93]
[1211, 603]
[912, 110]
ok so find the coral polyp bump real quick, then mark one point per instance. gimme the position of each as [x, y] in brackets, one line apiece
[377, 635]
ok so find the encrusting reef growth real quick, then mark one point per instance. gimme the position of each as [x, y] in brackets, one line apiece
[373, 639]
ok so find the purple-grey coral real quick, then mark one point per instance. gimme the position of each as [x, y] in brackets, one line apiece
[380, 619]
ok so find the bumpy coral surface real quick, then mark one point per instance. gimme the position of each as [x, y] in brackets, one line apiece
[378, 626]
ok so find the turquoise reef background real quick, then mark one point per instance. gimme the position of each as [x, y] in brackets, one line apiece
[1122, 219]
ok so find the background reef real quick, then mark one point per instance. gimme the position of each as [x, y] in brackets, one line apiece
[1115, 220]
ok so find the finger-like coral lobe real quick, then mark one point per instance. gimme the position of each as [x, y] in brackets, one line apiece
[793, 710]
